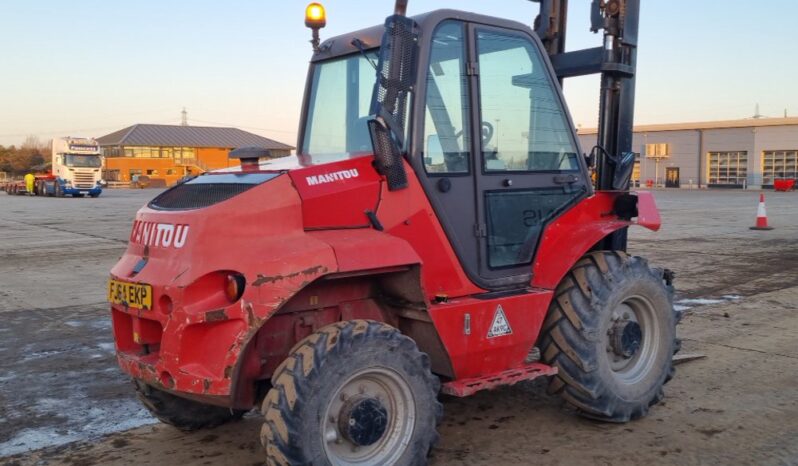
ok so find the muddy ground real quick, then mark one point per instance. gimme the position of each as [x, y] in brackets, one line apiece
[63, 400]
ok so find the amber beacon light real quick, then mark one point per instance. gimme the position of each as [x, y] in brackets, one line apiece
[315, 19]
[315, 16]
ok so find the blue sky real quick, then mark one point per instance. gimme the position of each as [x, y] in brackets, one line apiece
[89, 67]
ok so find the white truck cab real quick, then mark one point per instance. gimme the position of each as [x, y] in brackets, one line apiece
[77, 166]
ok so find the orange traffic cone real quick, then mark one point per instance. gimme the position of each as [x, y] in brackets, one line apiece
[761, 215]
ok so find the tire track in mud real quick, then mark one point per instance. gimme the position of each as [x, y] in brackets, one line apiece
[757, 267]
[64, 230]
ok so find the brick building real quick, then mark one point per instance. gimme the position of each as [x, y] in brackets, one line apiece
[168, 152]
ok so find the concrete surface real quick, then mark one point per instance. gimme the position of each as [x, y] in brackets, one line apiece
[63, 401]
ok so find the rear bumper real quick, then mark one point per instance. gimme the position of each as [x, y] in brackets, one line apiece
[191, 355]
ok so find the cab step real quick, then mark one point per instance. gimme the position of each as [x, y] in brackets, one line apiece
[467, 387]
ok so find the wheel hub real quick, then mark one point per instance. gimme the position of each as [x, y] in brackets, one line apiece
[626, 338]
[363, 421]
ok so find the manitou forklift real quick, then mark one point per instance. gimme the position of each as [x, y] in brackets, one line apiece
[439, 233]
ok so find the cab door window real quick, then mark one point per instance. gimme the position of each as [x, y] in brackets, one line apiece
[447, 141]
[526, 142]
[524, 127]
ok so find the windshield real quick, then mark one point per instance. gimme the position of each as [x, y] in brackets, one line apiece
[338, 109]
[82, 161]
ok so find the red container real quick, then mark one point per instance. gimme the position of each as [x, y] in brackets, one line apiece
[784, 185]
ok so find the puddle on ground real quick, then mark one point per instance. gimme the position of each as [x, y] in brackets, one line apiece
[685, 304]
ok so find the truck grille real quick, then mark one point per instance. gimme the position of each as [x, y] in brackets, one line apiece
[84, 180]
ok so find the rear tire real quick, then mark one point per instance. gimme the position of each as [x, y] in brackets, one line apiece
[181, 413]
[355, 392]
[611, 333]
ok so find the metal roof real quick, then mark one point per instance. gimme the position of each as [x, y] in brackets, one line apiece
[747, 123]
[187, 136]
[372, 36]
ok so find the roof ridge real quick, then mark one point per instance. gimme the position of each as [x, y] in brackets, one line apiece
[146, 134]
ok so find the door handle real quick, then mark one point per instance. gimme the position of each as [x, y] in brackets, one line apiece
[565, 179]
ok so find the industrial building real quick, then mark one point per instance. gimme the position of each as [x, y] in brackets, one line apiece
[738, 154]
[166, 153]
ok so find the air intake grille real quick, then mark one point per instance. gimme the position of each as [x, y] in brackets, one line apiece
[196, 196]
[84, 180]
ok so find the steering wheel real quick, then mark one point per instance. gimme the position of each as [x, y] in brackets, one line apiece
[487, 133]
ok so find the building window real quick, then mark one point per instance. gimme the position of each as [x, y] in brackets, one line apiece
[728, 168]
[658, 150]
[111, 175]
[113, 151]
[185, 155]
[146, 152]
[777, 164]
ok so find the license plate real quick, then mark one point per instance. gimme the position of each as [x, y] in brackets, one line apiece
[131, 294]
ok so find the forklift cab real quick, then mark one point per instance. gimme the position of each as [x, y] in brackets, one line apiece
[488, 134]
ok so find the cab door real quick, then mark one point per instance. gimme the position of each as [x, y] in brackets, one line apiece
[494, 148]
[528, 169]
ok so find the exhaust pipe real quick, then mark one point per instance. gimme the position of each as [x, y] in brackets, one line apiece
[400, 8]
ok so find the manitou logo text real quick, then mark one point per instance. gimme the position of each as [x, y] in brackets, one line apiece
[162, 235]
[332, 177]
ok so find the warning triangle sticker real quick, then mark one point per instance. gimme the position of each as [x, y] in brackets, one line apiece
[500, 325]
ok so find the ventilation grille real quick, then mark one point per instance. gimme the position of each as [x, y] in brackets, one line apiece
[197, 196]
[395, 72]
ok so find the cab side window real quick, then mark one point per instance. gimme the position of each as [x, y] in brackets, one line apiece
[447, 142]
[524, 127]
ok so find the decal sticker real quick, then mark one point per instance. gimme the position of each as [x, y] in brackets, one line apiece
[500, 325]
[332, 177]
[162, 235]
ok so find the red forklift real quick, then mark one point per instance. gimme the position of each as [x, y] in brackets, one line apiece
[440, 233]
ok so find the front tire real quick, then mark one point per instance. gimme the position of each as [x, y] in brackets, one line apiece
[355, 392]
[611, 333]
[181, 413]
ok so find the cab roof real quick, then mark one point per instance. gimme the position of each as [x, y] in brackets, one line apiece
[371, 37]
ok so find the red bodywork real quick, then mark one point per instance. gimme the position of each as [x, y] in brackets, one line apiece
[311, 257]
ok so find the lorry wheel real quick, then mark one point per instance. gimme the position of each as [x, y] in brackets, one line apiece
[184, 414]
[611, 333]
[58, 191]
[356, 392]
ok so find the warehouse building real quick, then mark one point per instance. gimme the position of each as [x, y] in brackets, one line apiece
[166, 153]
[736, 154]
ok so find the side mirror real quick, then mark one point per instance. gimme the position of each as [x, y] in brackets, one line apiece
[624, 167]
